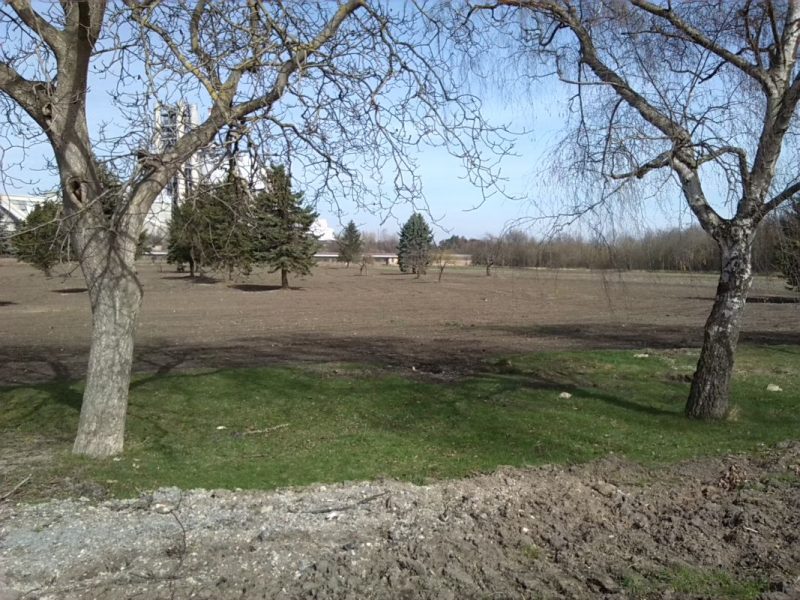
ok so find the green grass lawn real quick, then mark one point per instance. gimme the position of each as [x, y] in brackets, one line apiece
[349, 423]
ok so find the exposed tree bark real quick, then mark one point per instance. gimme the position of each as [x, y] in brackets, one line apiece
[284, 279]
[116, 297]
[106, 247]
[709, 397]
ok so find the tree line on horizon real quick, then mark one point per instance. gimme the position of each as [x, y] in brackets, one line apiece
[776, 249]
[208, 232]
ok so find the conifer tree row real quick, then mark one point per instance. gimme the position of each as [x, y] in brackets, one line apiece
[230, 227]
[790, 255]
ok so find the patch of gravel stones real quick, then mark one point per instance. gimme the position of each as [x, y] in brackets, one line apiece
[580, 532]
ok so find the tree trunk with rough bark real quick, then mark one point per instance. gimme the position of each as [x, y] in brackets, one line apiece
[709, 397]
[105, 239]
[285, 279]
[116, 297]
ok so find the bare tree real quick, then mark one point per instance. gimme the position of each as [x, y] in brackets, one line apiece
[703, 93]
[442, 259]
[335, 90]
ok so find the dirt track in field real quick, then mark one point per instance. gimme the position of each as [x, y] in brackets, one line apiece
[384, 318]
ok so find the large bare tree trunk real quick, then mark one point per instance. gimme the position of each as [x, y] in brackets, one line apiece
[116, 297]
[709, 397]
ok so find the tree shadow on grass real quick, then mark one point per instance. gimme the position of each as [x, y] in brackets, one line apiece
[415, 409]
[7, 303]
[66, 395]
[77, 290]
[512, 383]
[441, 358]
[793, 350]
[518, 419]
[602, 336]
[61, 393]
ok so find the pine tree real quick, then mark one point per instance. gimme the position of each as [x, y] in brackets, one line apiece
[350, 244]
[790, 253]
[5, 233]
[283, 238]
[182, 245]
[212, 229]
[42, 239]
[413, 250]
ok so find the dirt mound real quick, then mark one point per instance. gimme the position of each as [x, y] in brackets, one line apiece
[706, 529]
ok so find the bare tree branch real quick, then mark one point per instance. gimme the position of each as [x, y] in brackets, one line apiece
[25, 93]
[38, 24]
[786, 194]
[709, 44]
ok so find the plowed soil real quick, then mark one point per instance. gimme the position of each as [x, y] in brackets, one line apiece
[384, 318]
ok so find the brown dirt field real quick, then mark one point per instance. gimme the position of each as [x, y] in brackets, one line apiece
[384, 318]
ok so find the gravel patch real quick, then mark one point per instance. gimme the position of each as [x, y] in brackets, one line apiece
[581, 532]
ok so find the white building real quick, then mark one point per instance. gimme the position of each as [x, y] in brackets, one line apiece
[15, 209]
[208, 164]
[322, 230]
[171, 123]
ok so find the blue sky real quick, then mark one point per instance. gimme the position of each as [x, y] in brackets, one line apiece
[455, 206]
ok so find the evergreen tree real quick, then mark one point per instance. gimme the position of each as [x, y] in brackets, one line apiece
[5, 244]
[283, 238]
[42, 239]
[211, 229]
[350, 244]
[181, 237]
[790, 253]
[413, 250]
